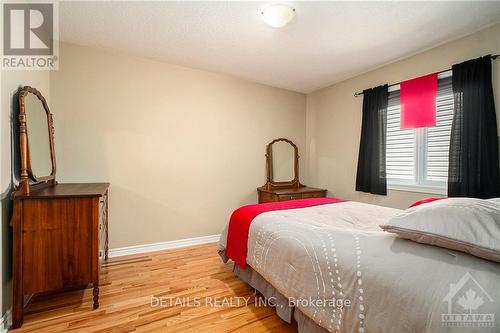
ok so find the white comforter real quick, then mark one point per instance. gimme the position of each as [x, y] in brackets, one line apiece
[347, 275]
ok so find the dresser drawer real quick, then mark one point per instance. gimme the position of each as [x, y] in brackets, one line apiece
[313, 195]
[285, 197]
[292, 193]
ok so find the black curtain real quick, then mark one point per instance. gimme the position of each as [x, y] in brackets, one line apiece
[474, 166]
[371, 175]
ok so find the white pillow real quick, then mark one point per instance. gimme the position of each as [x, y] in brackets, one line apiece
[462, 224]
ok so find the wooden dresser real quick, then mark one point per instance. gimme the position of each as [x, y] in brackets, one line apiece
[59, 231]
[283, 194]
[282, 169]
[60, 238]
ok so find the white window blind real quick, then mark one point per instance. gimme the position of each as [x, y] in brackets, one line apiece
[438, 138]
[417, 159]
[400, 145]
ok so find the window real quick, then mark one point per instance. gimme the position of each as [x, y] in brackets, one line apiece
[417, 159]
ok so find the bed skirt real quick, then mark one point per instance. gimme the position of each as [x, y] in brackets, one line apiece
[283, 309]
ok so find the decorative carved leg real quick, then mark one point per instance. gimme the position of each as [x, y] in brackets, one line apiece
[95, 293]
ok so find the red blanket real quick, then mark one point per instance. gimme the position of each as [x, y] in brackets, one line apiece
[239, 224]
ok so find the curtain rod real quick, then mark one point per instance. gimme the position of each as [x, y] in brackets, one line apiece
[494, 57]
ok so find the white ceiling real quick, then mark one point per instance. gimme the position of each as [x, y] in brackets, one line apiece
[327, 42]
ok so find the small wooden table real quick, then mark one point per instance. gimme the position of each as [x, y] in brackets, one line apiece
[291, 193]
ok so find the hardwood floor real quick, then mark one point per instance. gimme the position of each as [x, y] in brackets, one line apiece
[127, 285]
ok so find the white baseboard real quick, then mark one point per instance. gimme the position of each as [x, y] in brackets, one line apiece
[6, 321]
[137, 249]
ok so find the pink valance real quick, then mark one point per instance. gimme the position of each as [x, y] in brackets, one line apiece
[418, 102]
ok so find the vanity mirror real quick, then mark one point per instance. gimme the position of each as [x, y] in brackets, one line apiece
[36, 129]
[282, 169]
[282, 163]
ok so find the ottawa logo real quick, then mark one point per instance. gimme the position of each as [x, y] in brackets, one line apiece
[468, 305]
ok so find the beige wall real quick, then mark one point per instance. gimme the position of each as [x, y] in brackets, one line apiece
[182, 148]
[334, 115]
[10, 83]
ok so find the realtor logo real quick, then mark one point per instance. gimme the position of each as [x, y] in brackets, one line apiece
[468, 305]
[30, 35]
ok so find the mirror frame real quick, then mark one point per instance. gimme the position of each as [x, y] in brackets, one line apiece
[27, 174]
[295, 181]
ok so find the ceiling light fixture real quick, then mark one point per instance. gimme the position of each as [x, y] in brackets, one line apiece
[277, 16]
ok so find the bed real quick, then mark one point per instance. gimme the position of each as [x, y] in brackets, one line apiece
[332, 268]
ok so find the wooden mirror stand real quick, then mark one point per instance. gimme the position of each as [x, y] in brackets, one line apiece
[288, 190]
